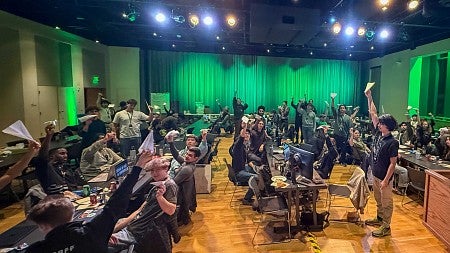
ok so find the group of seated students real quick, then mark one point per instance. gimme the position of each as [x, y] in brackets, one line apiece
[151, 227]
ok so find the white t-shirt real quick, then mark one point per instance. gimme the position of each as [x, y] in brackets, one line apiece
[129, 123]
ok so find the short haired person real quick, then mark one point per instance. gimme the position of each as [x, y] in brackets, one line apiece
[185, 180]
[91, 128]
[191, 141]
[106, 113]
[283, 110]
[54, 216]
[341, 129]
[15, 170]
[383, 161]
[52, 169]
[147, 226]
[239, 108]
[127, 127]
[98, 157]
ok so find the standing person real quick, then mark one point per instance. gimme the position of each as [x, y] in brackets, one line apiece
[341, 126]
[383, 161]
[106, 113]
[298, 119]
[308, 122]
[284, 117]
[239, 107]
[127, 127]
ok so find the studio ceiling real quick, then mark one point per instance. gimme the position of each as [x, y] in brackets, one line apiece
[290, 28]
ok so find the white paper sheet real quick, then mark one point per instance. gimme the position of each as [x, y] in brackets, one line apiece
[333, 95]
[369, 86]
[18, 129]
[245, 119]
[50, 122]
[148, 144]
[173, 133]
[86, 118]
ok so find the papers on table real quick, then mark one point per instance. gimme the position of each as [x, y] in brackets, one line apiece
[86, 118]
[18, 129]
[148, 144]
[369, 86]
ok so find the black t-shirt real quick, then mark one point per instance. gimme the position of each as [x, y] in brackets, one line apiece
[383, 148]
[152, 210]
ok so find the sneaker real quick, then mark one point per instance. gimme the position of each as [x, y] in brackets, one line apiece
[374, 222]
[382, 231]
[247, 202]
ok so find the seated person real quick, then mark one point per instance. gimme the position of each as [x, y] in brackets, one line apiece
[439, 143]
[184, 178]
[242, 171]
[147, 226]
[52, 169]
[406, 134]
[445, 155]
[191, 141]
[92, 127]
[15, 170]
[360, 151]
[325, 151]
[402, 179]
[54, 217]
[98, 157]
[224, 121]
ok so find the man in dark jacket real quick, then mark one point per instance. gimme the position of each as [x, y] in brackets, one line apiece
[54, 215]
[239, 108]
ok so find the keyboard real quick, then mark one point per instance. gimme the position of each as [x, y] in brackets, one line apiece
[278, 157]
[15, 234]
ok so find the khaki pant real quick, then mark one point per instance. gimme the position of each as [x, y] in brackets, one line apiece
[385, 205]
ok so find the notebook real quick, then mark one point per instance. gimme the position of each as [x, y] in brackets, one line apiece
[118, 169]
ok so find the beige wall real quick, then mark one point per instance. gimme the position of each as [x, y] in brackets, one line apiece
[19, 84]
[395, 75]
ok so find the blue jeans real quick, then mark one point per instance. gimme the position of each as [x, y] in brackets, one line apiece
[127, 143]
[243, 176]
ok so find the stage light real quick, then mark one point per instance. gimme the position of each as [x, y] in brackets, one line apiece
[179, 19]
[413, 4]
[193, 20]
[336, 28]
[372, 47]
[332, 20]
[174, 46]
[349, 30]
[268, 50]
[361, 31]
[349, 55]
[370, 34]
[155, 34]
[384, 34]
[208, 20]
[217, 37]
[383, 2]
[57, 28]
[325, 44]
[311, 53]
[223, 48]
[97, 41]
[160, 17]
[231, 21]
[132, 14]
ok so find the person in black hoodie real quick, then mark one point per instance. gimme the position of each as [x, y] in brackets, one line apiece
[54, 216]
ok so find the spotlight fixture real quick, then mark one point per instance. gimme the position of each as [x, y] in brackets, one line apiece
[325, 44]
[177, 18]
[132, 14]
[97, 41]
[231, 21]
[349, 55]
[361, 31]
[208, 20]
[311, 53]
[174, 46]
[160, 17]
[223, 48]
[155, 34]
[372, 47]
[370, 34]
[336, 28]
[413, 4]
[57, 28]
[193, 20]
[268, 50]
[384, 34]
[349, 30]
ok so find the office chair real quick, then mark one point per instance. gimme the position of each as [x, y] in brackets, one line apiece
[417, 182]
[275, 206]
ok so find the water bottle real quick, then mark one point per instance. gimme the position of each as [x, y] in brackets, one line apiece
[133, 155]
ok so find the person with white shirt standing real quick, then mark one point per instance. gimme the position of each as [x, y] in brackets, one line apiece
[126, 125]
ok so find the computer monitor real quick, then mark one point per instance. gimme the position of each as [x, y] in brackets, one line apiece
[121, 169]
[302, 159]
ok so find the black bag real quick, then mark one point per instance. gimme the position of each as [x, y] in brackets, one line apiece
[306, 219]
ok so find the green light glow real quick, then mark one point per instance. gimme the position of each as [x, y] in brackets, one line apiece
[95, 80]
[259, 80]
[71, 106]
[415, 76]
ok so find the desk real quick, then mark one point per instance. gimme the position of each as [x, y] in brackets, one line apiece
[410, 160]
[298, 189]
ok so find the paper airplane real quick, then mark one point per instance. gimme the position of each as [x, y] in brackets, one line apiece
[409, 107]
[86, 118]
[173, 133]
[148, 144]
[50, 122]
[18, 129]
[333, 95]
[369, 86]
[158, 183]
[111, 105]
[245, 119]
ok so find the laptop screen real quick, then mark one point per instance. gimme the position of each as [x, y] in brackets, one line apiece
[121, 169]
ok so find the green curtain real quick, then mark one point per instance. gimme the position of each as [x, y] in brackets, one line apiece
[259, 80]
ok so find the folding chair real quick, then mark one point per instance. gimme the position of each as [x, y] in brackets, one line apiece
[417, 182]
[357, 182]
[274, 206]
[232, 178]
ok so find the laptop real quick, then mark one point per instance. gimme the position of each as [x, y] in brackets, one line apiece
[116, 170]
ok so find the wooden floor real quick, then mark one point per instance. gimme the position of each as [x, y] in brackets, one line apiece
[217, 227]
